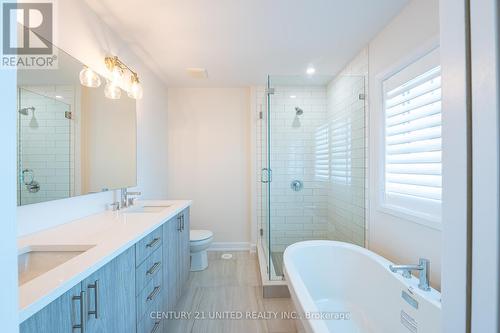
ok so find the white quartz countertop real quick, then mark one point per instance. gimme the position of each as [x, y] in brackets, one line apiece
[110, 233]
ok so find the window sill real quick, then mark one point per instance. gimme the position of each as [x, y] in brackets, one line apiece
[411, 216]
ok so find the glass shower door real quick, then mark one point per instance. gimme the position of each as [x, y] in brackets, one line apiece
[44, 147]
[264, 179]
[315, 146]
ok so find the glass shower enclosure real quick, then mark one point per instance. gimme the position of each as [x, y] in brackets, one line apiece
[311, 163]
[45, 163]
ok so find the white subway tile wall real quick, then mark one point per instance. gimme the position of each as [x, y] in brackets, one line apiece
[44, 142]
[347, 116]
[296, 215]
[325, 148]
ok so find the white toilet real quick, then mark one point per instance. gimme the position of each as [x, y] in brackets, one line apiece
[199, 241]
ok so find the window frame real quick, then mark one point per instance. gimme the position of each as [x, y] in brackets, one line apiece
[381, 204]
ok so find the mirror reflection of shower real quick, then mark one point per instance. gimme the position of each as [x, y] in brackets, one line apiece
[296, 120]
[26, 111]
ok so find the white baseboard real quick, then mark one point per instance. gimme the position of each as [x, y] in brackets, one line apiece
[232, 246]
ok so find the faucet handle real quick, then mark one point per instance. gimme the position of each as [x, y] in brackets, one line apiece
[406, 274]
[114, 206]
[134, 195]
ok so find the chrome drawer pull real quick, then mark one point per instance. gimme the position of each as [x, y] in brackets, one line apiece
[153, 294]
[153, 268]
[95, 286]
[156, 327]
[153, 242]
[83, 313]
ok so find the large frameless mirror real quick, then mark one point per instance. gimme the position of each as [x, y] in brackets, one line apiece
[71, 139]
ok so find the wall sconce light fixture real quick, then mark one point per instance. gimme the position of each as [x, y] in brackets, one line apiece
[135, 90]
[112, 91]
[89, 78]
[117, 69]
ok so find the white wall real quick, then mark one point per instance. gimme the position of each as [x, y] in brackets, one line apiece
[81, 33]
[209, 158]
[8, 245]
[108, 141]
[398, 239]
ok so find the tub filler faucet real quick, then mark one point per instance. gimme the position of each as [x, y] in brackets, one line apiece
[424, 271]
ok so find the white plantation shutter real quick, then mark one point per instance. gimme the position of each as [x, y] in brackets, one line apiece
[412, 104]
[321, 152]
[341, 151]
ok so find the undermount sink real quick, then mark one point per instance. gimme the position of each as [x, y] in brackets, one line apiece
[146, 209]
[34, 261]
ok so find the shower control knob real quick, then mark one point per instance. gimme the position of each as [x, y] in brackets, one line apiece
[297, 185]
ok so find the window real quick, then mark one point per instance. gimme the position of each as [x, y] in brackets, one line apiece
[412, 171]
[341, 154]
[321, 149]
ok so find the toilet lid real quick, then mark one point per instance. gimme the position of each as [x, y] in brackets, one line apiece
[198, 235]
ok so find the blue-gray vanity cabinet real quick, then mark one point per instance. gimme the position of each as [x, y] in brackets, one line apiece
[185, 253]
[171, 231]
[103, 302]
[177, 258]
[111, 296]
[120, 296]
[150, 285]
[64, 315]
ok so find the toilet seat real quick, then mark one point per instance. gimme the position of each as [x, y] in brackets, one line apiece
[199, 235]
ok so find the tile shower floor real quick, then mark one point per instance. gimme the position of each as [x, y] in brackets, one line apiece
[230, 287]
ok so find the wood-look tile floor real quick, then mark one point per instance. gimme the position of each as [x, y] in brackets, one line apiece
[229, 287]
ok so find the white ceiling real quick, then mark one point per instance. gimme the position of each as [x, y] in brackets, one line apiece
[239, 42]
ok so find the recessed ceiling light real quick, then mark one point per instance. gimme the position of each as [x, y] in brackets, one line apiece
[293, 96]
[311, 70]
[59, 97]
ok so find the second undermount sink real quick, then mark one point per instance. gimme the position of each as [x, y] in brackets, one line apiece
[146, 209]
[34, 261]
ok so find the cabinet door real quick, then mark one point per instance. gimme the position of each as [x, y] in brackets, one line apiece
[64, 315]
[111, 296]
[184, 247]
[171, 254]
[181, 256]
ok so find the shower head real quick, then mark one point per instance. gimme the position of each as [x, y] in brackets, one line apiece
[25, 111]
[298, 111]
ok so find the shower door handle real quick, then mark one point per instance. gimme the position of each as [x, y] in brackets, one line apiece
[269, 176]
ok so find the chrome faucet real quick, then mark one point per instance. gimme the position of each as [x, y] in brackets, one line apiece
[424, 271]
[125, 201]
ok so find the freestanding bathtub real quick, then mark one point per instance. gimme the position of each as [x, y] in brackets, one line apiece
[343, 288]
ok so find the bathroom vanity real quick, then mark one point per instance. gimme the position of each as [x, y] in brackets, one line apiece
[111, 270]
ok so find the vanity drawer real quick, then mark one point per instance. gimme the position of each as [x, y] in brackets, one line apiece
[150, 298]
[149, 269]
[150, 325]
[147, 245]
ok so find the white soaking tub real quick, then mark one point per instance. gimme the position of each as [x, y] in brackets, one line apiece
[343, 288]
